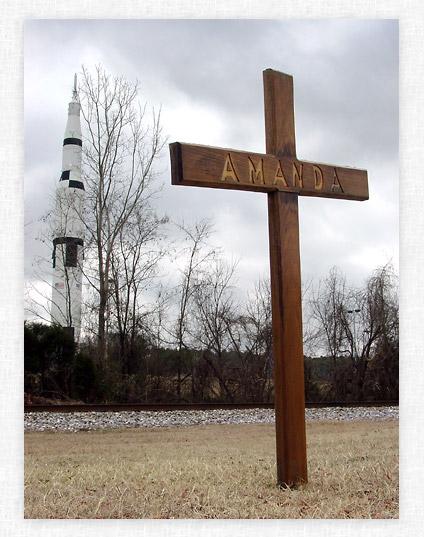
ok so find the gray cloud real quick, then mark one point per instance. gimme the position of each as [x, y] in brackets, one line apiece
[346, 106]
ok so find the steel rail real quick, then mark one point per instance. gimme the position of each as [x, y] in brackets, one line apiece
[156, 407]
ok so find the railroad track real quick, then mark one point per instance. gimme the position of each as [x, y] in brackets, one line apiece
[190, 406]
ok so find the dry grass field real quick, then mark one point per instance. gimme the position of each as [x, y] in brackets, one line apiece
[213, 471]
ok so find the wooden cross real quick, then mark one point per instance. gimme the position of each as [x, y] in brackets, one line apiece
[283, 177]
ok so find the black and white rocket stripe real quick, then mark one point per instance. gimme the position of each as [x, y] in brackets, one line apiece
[69, 234]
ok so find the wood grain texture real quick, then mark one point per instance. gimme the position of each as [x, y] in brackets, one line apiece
[213, 167]
[279, 113]
[285, 290]
[287, 338]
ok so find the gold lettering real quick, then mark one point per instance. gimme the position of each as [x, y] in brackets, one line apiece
[256, 174]
[229, 171]
[279, 176]
[298, 176]
[318, 177]
[336, 182]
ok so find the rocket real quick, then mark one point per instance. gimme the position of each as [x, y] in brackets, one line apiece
[68, 241]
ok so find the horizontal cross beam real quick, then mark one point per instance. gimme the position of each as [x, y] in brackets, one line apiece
[198, 165]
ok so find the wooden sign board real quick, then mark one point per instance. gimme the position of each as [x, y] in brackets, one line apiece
[198, 165]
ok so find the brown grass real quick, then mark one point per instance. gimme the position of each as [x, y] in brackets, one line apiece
[214, 471]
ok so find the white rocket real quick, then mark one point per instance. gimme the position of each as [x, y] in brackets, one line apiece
[68, 239]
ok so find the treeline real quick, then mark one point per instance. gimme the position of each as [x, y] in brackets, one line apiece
[53, 369]
[222, 351]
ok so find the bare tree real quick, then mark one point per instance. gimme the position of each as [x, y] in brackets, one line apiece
[375, 331]
[39, 302]
[354, 326]
[251, 335]
[119, 152]
[134, 265]
[191, 261]
[214, 309]
[330, 313]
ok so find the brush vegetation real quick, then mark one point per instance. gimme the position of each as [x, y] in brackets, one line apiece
[213, 471]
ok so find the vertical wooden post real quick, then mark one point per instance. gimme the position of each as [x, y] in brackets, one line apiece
[286, 289]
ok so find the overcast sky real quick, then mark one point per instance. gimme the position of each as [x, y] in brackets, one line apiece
[206, 75]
